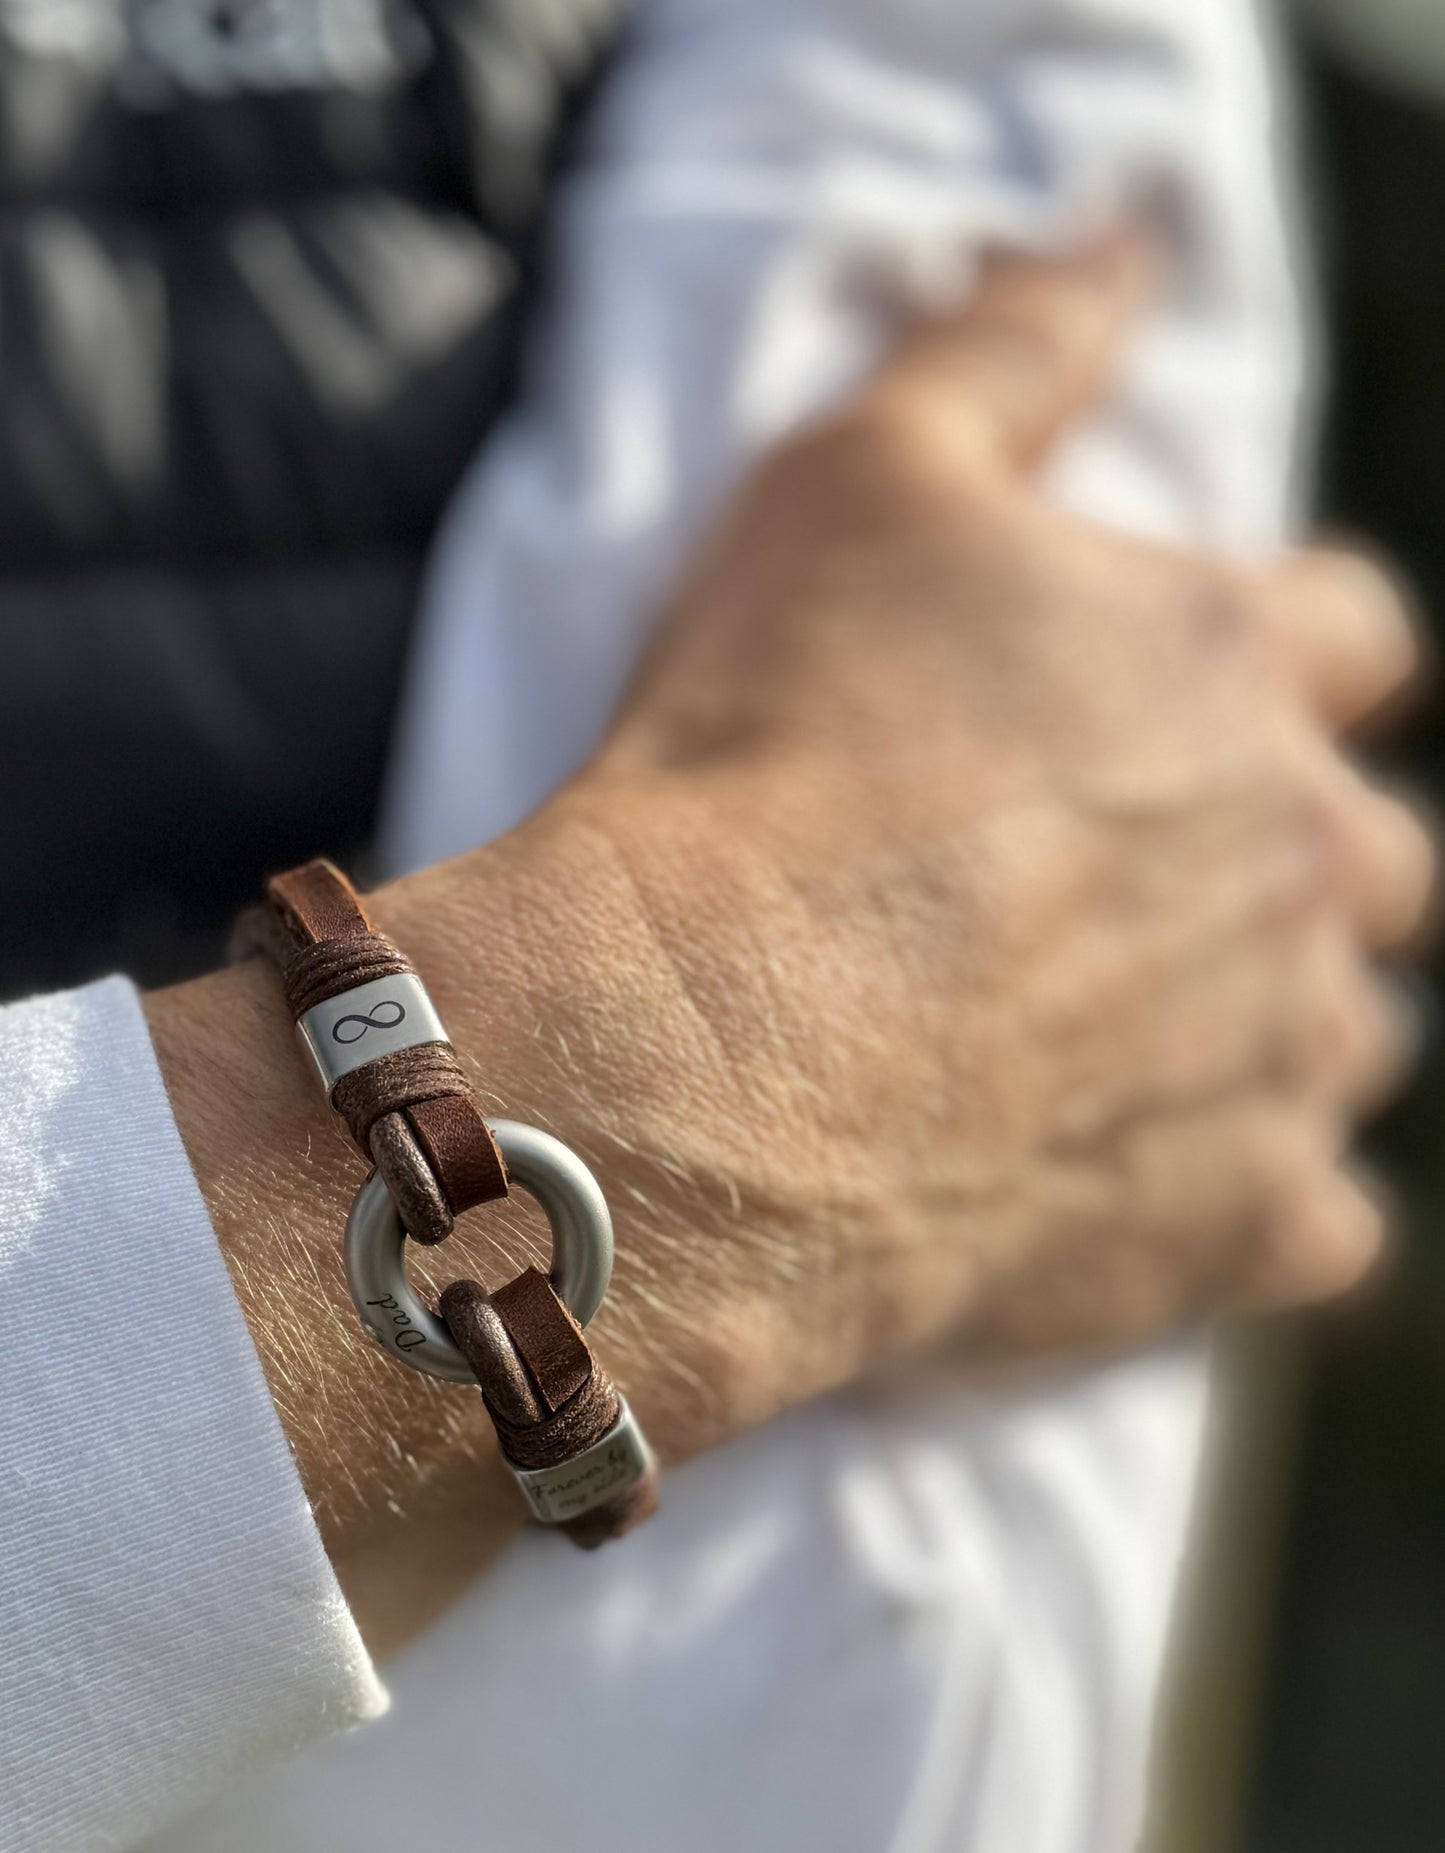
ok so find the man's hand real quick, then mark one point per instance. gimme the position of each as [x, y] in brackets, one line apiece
[1026, 885]
[964, 933]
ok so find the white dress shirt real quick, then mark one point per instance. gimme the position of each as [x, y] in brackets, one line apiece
[898, 1623]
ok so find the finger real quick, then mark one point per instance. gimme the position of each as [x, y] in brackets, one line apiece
[1345, 629]
[1290, 1004]
[1036, 344]
[1251, 1194]
[1325, 1229]
[1349, 1039]
[1238, 1203]
[1231, 1011]
[1381, 854]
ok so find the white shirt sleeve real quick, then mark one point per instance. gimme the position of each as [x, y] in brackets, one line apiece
[169, 1619]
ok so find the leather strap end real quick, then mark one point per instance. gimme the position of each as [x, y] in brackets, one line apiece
[459, 1146]
[546, 1337]
[316, 902]
[521, 1343]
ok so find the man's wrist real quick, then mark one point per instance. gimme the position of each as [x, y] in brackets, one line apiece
[402, 1475]
[548, 981]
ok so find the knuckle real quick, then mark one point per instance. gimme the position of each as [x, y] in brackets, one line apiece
[1368, 1036]
[1333, 1267]
[1356, 1050]
[1384, 857]
[920, 439]
[1386, 1043]
[884, 457]
[875, 438]
[1322, 1237]
[1355, 576]
[1414, 829]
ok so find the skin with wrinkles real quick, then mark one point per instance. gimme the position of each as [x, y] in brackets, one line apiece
[961, 945]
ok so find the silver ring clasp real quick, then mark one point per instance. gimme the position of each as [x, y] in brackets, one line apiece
[575, 1208]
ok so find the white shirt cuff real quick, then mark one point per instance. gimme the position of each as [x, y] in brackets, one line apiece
[169, 1618]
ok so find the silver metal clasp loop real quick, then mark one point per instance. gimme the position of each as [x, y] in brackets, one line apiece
[575, 1208]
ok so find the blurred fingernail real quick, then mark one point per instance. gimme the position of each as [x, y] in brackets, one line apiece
[1376, 1220]
[1415, 1011]
[1384, 606]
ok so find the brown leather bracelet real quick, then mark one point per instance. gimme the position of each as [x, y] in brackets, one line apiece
[379, 1047]
[410, 1110]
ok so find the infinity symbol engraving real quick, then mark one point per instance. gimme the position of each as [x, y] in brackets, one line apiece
[375, 1021]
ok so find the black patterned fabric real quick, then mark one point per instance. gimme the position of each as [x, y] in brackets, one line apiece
[263, 268]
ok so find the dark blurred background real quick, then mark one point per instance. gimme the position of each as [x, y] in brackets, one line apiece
[1335, 1694]
[1349, 1747]
[265, 272]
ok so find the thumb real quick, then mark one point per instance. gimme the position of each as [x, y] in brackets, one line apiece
[1036, 343]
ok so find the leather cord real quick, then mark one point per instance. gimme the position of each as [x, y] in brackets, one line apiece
[548, 1396]
[410, 1112]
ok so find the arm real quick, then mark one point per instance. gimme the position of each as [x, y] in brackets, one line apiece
[727, 964]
